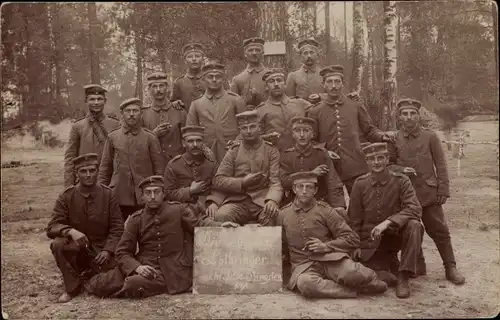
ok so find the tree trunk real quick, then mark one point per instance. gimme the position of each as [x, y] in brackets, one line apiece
[93, 51]
[359, 46]
[388, 120]
[494, 12]
[369, 70]
[328, 42]
[139, 54]
[272, 28]
[345, 33]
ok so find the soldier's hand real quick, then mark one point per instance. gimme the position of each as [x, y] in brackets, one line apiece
[146, 271]
[162, 128]
[409, 171]
[208, 153]
[198, 187]
[333, 155]
[229, 224]
[103, 257]
[354, 96]
[79, 238]
[271, 208]
[178, 104]
[389, 136]
[271, 137]
[211, 210]
[321, 170]
[377, 232]
[252, 179]
[314, 98]
[441, 199]
[317, 246]
[356, 254]
[229, 144]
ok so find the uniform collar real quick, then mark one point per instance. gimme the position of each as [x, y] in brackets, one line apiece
[284, 100]
[383, 179]
[87, 192]
[188, 158]
[253, 147]
[330, 101]
[251, 69]
[99, 117]
[307, 69]
[304, 152]
[133, 130]
[415, 132]
[297, 208]
[153, 211]
[217, 95]
[193, 76]
[164, 106]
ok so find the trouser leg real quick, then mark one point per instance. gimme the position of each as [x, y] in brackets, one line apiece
[68, 261]
[349, 273]
[106, 283]
[436, 227]
[238, 212]
[411, 245]
[137, 286]
[313, 283]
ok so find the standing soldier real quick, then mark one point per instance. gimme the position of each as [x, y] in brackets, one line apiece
[420, 148]
[188, 177]
[306, 80]
[216, 110]
[341, 121]
[304, 156]
[384, 211]
[89, 133]
[247, 184]
[249, 84]
[86, 225]
[130, 154]
[163, 118]
[279, 109]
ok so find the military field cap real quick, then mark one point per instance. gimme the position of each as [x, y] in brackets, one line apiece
[247, 117]
[332, 70]
[375, 148]
[307, 43]
[130, 101]
[213, 66]
[85, 160]
[303, 122]
[409, 103]
[304, 176]
[192, 47]
[152, 181]
[94, 89]
[189, 131]
[253, 41]
[157, 77]
[272, 73]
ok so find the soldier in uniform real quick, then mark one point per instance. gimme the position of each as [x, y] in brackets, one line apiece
[305, 156]
[247, 186]
[162, 118]
[341, 121]
[420, 149]
[216, 111]
[384, 211]
[86, 225]
[188, 177]
[317, 242]
[88, 133]
[277, 111]
[130, 154]
[249, 84]
[163, 264]
[306, 80]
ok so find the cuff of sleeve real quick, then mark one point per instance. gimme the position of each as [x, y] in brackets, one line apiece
[131, 267]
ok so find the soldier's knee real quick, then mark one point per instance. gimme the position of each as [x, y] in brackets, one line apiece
[306, 285]
[57, 245]
[223, 214]
[414, 226]
[356, 273]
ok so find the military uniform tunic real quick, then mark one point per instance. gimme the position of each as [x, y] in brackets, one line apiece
[83, 139]
[170, 142]
[304, 82]
[276, 116]
[250, 80]
[187, 89]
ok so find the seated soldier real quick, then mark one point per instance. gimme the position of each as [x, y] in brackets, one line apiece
[86, 225]
[188, 177]
[318, 242]
[305, 156]
[247, 186]
[164, 261]
[384, 211]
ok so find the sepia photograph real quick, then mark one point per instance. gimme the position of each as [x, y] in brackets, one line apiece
[250, 160]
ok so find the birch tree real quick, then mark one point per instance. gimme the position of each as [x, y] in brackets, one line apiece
[360, 46]
[388, 120]
[272, 17]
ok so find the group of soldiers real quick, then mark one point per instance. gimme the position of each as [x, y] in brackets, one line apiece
[271, 150]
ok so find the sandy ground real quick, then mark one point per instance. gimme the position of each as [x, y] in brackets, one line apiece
[31, 282]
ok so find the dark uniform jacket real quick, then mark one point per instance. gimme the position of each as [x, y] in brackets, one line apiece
[181, 171]
[129, 156]
[371, 202]
[240, 161]
[320, 221]
[304, 82]
[165, 243]
[170, 142]
[96, 214]
[330, 187]
[250, 78]
[277, 116]
[340, 126]
[188, 88]
[82, 140]
[421, 150]
[217, 113]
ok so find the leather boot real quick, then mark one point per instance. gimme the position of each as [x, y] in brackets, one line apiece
[453, 275]
[374, 287]
[403, 286]
[387, 277]
[65, 297]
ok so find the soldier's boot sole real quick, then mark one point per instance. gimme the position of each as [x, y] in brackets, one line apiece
[454, 276]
